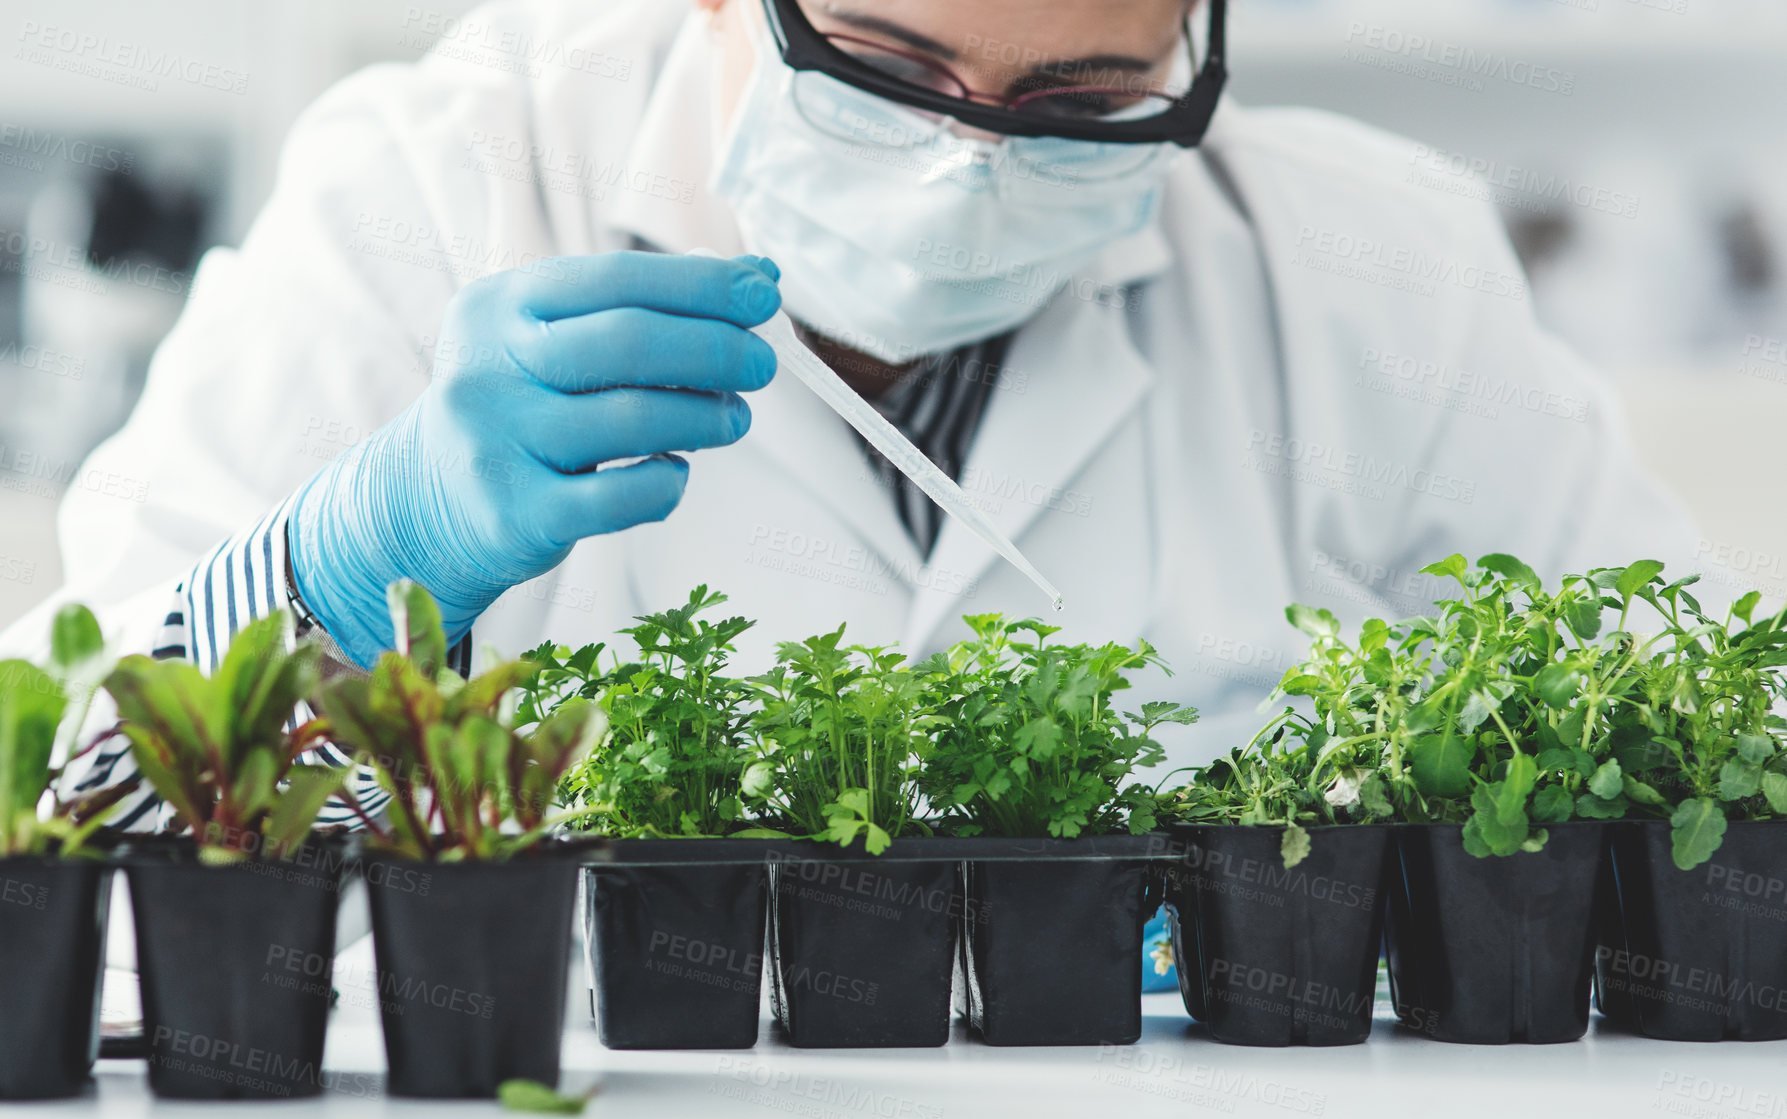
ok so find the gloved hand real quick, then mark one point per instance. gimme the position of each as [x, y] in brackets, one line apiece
[490, 477]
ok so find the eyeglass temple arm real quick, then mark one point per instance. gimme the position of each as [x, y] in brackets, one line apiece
[1219, 33]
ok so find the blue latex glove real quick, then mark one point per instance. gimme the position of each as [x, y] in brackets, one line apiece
[490, 477]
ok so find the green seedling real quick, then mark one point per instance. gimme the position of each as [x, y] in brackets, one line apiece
[464, 783]
[216, 749]
[1029, 740]
[1509, 710]
[839, 738]
[41, 713]
[673, 761]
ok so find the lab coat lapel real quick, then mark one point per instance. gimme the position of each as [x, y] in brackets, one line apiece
[794, 429]
[1072, 376]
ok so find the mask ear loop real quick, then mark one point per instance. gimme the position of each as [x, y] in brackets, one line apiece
[762, 41]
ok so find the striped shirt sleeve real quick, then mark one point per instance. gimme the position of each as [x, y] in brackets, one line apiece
[239, 581]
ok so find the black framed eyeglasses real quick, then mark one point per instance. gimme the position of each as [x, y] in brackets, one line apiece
[1092, 110]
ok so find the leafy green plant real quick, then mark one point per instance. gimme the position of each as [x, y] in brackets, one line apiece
[1490, 713]
[41, 712]
[465, 784]
[1510, 709]
[839, 738]
[673, 761]
[1693, 735]
[216, 749]
[1281, 780]
[1029, 741]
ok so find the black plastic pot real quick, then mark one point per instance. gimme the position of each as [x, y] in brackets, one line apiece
[472, 964]
[1495, 949]
[1050, 950]
[1274, 956]
[676, 954]
[235, 963]
[52, 945]
[862, 950]
[1695, 955]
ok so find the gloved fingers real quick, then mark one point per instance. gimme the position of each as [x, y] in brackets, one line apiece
[737, 291]
[636, 347]
[573, 434]
[614, 499]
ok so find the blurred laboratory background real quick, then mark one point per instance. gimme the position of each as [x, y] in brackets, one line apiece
[1637, 150]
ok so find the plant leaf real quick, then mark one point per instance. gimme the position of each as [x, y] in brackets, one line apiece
[1501, 828]
[1637, 576]
[1557, 685]
[1314, 622]
[1606, 782]
[1477, 710]
[308, 788]
[536, 1098]
[1423, 717]
[31, 708]
[1755, 748]
[74, 638]
[1294, 845]
[1513, 570]
[1774, 788]
[1442, 767]
[416, 623]
[1739, 779]
[1510, 793]
[1454, 565]
[1584, 618]
[1698, 828]
[1553, 805]
[1591, 807]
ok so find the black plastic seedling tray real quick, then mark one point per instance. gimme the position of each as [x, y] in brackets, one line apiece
[1269, 955]
[1496, 949]
[676, 954]
[861, 952]
[472, 964]
[1695, 955]
[1051, 948]
[235, 964]
[861, 947]
[52, 941]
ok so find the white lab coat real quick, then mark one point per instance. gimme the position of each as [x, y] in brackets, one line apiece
[1193, 436]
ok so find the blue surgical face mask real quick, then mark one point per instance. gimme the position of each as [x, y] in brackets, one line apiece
[897, 237]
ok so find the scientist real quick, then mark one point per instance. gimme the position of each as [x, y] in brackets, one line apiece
[1199, 361]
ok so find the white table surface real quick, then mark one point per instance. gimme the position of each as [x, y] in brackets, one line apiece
[1174, 1071]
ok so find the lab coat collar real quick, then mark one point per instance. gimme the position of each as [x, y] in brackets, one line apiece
[1071, 377]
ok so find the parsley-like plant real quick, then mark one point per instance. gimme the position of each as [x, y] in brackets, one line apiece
[840, 734]
[673, 761]
[1030, 742]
